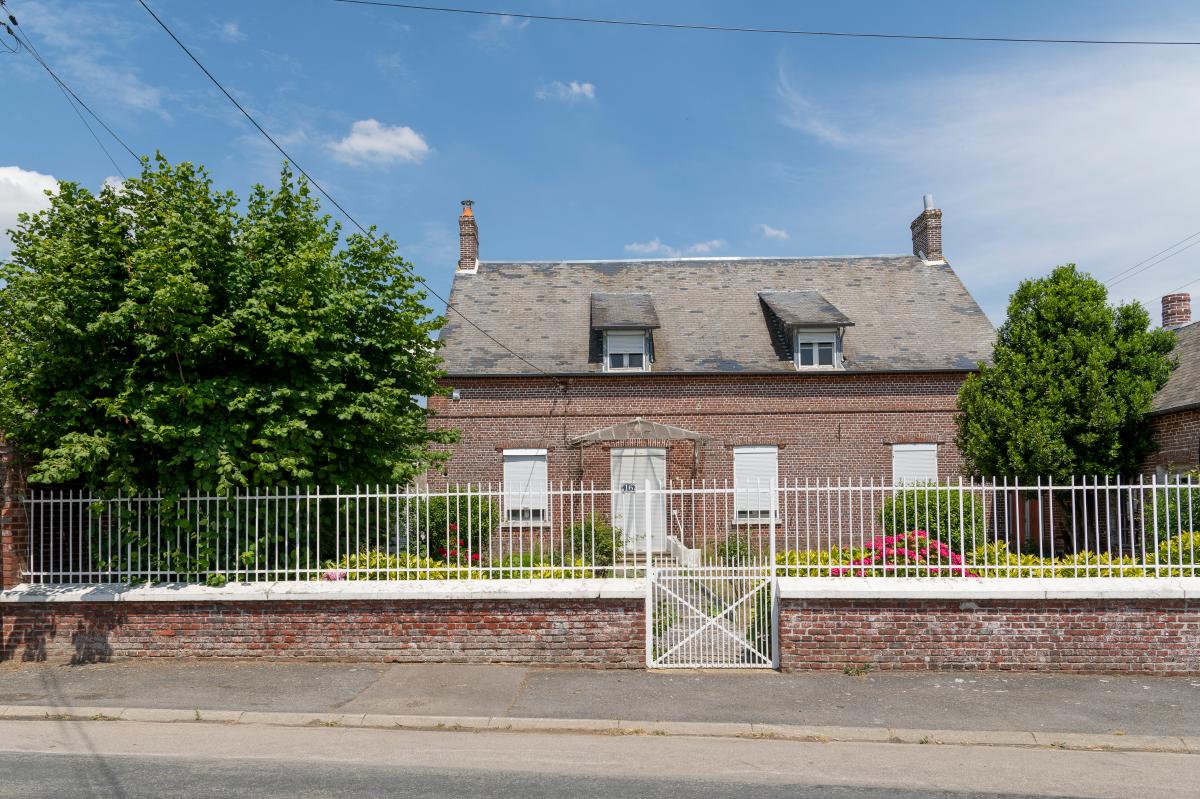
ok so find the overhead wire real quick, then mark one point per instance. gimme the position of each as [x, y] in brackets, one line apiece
[23, 38]
[688, 26]
[1116, 278]
[24, 41]
[326, 194]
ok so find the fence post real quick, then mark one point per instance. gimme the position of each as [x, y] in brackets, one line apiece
[773, 508]
[648, 510]
[14, 519]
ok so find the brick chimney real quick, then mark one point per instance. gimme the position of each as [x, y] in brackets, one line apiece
[1176, 310]
[468, 239]
[927, 232]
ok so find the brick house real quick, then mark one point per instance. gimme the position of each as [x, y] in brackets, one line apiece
[727, 369]
[1175, 414]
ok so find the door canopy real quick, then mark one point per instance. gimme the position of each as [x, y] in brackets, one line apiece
[640, 429]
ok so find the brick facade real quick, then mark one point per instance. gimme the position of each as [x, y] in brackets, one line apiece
[826, 425]
[1138, 636]
[1178, 437]
[14, 526]
[593, 632]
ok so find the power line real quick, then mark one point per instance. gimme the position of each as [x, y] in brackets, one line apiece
[1152, 257]
[327, 195]
[24, 40]
[1154, 264]
[773, 31]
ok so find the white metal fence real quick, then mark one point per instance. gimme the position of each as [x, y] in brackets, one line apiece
[1087, 527]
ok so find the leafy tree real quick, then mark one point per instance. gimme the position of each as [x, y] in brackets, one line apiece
[158, 336]
[1069, 386]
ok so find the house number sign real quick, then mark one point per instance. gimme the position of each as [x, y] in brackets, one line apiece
[628, 488]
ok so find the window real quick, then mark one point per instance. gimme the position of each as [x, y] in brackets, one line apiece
[625, 351]
[525, 485]
[755, 473]
[817, 349]
[914, 463]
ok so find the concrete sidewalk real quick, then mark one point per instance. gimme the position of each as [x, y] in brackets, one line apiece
[1034, 704]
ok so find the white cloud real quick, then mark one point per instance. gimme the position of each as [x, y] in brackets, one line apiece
[371, 142]
[571, 92]
[232, 32]
[1036, 162]
[20, 190]
[706, 247]
[799, 113]
[769, 232]
[656, 247]
[77, 39]
[497, 31]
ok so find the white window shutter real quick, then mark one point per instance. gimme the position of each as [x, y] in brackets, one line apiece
[914, 463]
[525, 479]
[755, 473]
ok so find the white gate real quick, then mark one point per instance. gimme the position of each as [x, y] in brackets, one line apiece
[712, 617]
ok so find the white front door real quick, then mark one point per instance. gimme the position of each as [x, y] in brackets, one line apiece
[631, 469]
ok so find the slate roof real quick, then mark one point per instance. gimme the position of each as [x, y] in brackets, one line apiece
[799, 308]
[909, 315]
[1183, 387]
[617, 311]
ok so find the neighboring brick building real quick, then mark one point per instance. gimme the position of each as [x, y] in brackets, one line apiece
[1175, 417]
[708, 368]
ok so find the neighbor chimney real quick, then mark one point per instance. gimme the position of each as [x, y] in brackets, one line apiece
[927, 232]
[468, 239]
[1176, 310]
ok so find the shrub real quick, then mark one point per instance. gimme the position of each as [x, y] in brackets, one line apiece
[912, 554]
[594, 540]
[995, 560]
[443, 524]
[948, 515]
[735, 549]
[533, 567]
[376, 565]
[1176, 510]
[1181, 554]
[813, 562]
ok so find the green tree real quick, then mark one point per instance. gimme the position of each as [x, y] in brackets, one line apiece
[159, 336]
[1069, 385]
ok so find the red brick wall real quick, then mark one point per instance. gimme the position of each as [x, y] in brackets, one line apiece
[825, 425]
[595, 632]
[1178, 437]
[1142, 636]
[14, 527]
[1088, 635]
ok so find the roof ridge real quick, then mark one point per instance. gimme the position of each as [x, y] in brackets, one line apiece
[707, 258]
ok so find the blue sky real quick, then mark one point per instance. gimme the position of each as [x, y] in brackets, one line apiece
[590, 142]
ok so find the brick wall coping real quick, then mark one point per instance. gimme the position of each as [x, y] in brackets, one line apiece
[611, 588]
[307, 591]
[990, 588]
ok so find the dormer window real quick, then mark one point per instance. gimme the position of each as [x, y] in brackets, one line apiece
[817, 349]
[810, 324]
[622, 325]
[625, 351]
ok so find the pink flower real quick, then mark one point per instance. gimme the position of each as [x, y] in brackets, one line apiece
[334, 575]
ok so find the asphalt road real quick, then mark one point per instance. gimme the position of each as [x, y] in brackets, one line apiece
[131, 777]
[124, 760]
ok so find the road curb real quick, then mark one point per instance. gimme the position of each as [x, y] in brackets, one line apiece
[790, 732]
